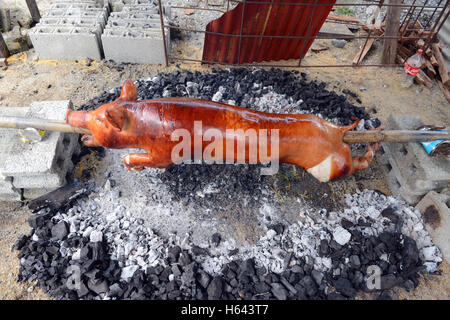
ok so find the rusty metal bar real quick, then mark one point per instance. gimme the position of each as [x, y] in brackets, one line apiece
[329, 4]
[163, 30]
[362, 48]
[307, 32]
[417, 17]
[43, 124]
[334, 4]
[240, 32]
[432, 15]
[408, 14]
[432, 33]
[283, 66]
[275, 36]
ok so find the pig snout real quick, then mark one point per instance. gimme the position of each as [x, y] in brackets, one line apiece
[77, 118]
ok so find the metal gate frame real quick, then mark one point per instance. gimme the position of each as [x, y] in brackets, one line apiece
[414, 10]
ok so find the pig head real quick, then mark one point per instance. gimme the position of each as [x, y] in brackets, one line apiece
[110, 123]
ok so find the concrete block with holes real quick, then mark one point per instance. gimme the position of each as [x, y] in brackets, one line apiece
[134, 34]
[411, 172]
[9, 137]
[436, 215]
[43, 164]
[71, 30]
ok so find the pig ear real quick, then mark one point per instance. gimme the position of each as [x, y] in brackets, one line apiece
[129, 91]
[117, 117]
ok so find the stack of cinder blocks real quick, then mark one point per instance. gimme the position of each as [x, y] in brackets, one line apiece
[134, 34]
[71, 30]
[436, 214]
[84, 29]
[29, 170]
[410, 171]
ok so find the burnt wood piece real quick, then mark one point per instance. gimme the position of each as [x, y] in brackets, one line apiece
[61, 197]
[4, 52]
[34, 10]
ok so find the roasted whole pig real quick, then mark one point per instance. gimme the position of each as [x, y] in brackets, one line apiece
[214, 132]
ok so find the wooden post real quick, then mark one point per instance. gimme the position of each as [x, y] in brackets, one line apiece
[32, 6]
[5, 19]
[392, 26]
[4, 52]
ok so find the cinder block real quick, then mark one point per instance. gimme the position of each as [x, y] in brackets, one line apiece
[391, 174]
[9, 137]
[7, 190]
[415, 172]
[436, 214]
[93, 13]
[40, 158]
[67, 43]
[134, 46]
[71, 30]
[134, 34]
[51, 180]
[33, 169]
[10, 197]
[72, 5]
[62, 164]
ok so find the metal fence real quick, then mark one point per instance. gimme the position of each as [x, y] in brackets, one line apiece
[412, 27]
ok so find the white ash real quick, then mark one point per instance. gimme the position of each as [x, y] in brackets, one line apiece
[302, 239]
[134, 244]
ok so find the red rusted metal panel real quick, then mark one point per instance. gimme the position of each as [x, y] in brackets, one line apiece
[277, 18]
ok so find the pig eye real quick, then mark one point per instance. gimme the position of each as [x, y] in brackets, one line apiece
[99, 120]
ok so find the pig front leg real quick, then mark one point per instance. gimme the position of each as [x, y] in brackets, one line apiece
[137, 161]
[89, 141]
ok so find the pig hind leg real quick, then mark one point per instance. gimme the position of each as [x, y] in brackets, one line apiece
[137, 161]
[360, 163]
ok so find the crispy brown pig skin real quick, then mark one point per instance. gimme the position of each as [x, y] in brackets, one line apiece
[304, 140]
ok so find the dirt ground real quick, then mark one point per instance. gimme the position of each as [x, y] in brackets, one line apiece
[28, 79]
